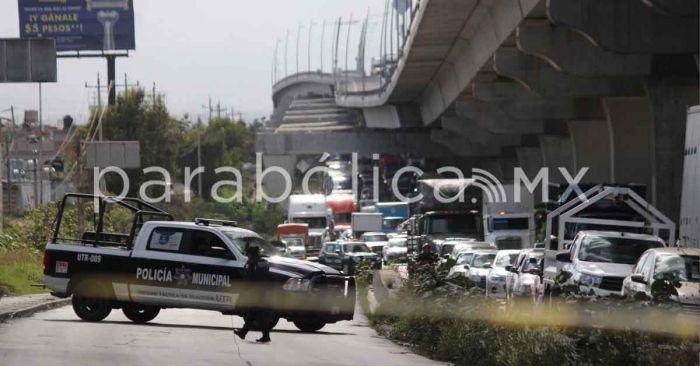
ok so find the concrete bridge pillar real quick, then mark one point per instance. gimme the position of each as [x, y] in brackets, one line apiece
[670, 96]
[529, 160]
[631, 128]
[557, 152]
[591, 148]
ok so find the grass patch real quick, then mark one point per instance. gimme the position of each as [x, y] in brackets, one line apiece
[19, 269]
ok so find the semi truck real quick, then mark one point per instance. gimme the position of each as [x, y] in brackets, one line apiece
[311, 209]
[447, 208]
[509, 224]
[690, 203]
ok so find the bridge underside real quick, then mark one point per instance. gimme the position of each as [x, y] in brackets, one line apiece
[595, 84]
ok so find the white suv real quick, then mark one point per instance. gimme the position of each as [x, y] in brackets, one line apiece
[599, 261]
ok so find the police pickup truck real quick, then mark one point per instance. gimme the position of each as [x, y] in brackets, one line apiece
[163, 264]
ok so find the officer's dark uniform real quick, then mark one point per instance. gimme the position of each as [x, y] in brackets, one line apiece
[256, 313]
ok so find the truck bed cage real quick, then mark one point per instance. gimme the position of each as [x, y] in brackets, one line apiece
[212, 222]
[653, 218]
[140, 210]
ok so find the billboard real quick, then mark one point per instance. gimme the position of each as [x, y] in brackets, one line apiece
[79, 25]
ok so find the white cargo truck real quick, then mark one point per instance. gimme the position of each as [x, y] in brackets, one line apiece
[690, 203]
[509, 224]
[311, 209]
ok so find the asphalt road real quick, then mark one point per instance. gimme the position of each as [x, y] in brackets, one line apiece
[189, 337]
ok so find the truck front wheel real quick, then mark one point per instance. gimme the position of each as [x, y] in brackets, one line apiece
[140, 314]
[309, 325]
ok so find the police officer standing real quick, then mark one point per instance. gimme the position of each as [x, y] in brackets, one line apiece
[256, 314]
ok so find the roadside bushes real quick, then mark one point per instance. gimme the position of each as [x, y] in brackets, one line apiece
[452, 321]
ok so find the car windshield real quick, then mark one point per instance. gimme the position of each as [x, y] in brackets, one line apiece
[481, 260]
[530, 263]
[504, 260]
[293, 242]
[374, 238]
[446, 224]
[244, 242]
[614, 249]
[683, 268]
[397, 243]
[464, 258]
[356, 248]
[314, 222]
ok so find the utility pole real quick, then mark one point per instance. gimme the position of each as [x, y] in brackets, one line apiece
[199, 164]
[127, 85]
[41, 150]
[153, 95]
[99, 91]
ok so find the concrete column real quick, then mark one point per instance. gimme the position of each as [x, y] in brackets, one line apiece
[631, 127]
[529, 160]
[274, 183]
[591, 148]
[539, 76]
[556, 153]
[670, 96]
[628, 26]
[571, 52]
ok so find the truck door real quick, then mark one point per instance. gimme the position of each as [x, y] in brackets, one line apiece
[187, 268]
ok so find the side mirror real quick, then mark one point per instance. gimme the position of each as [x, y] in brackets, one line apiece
[639, 278]
[564, 257]
[509, 268]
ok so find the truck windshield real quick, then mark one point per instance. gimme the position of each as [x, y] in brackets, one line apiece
[453, 223]
[342, 217]
[374, 238]
[510, 224]
[293, 242]
[243, 242]
[464, 258]
[314, 222]
[504, 260]
[614, 249]
[356, 248]
[683, 268]
[482, 260]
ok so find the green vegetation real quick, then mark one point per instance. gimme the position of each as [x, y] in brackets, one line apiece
[166, 142]
[452, 321]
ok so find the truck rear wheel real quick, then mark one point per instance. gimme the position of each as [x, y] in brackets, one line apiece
[140, 314]
[89, 303]
[309, 325]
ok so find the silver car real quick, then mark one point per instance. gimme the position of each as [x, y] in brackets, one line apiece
[681, 265]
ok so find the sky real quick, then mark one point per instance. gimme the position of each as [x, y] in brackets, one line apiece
[196, 49]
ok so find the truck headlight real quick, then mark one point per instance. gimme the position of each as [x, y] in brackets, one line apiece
[589, 280]
[297, 284]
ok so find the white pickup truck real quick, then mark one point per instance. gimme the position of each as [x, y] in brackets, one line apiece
[169, 264]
